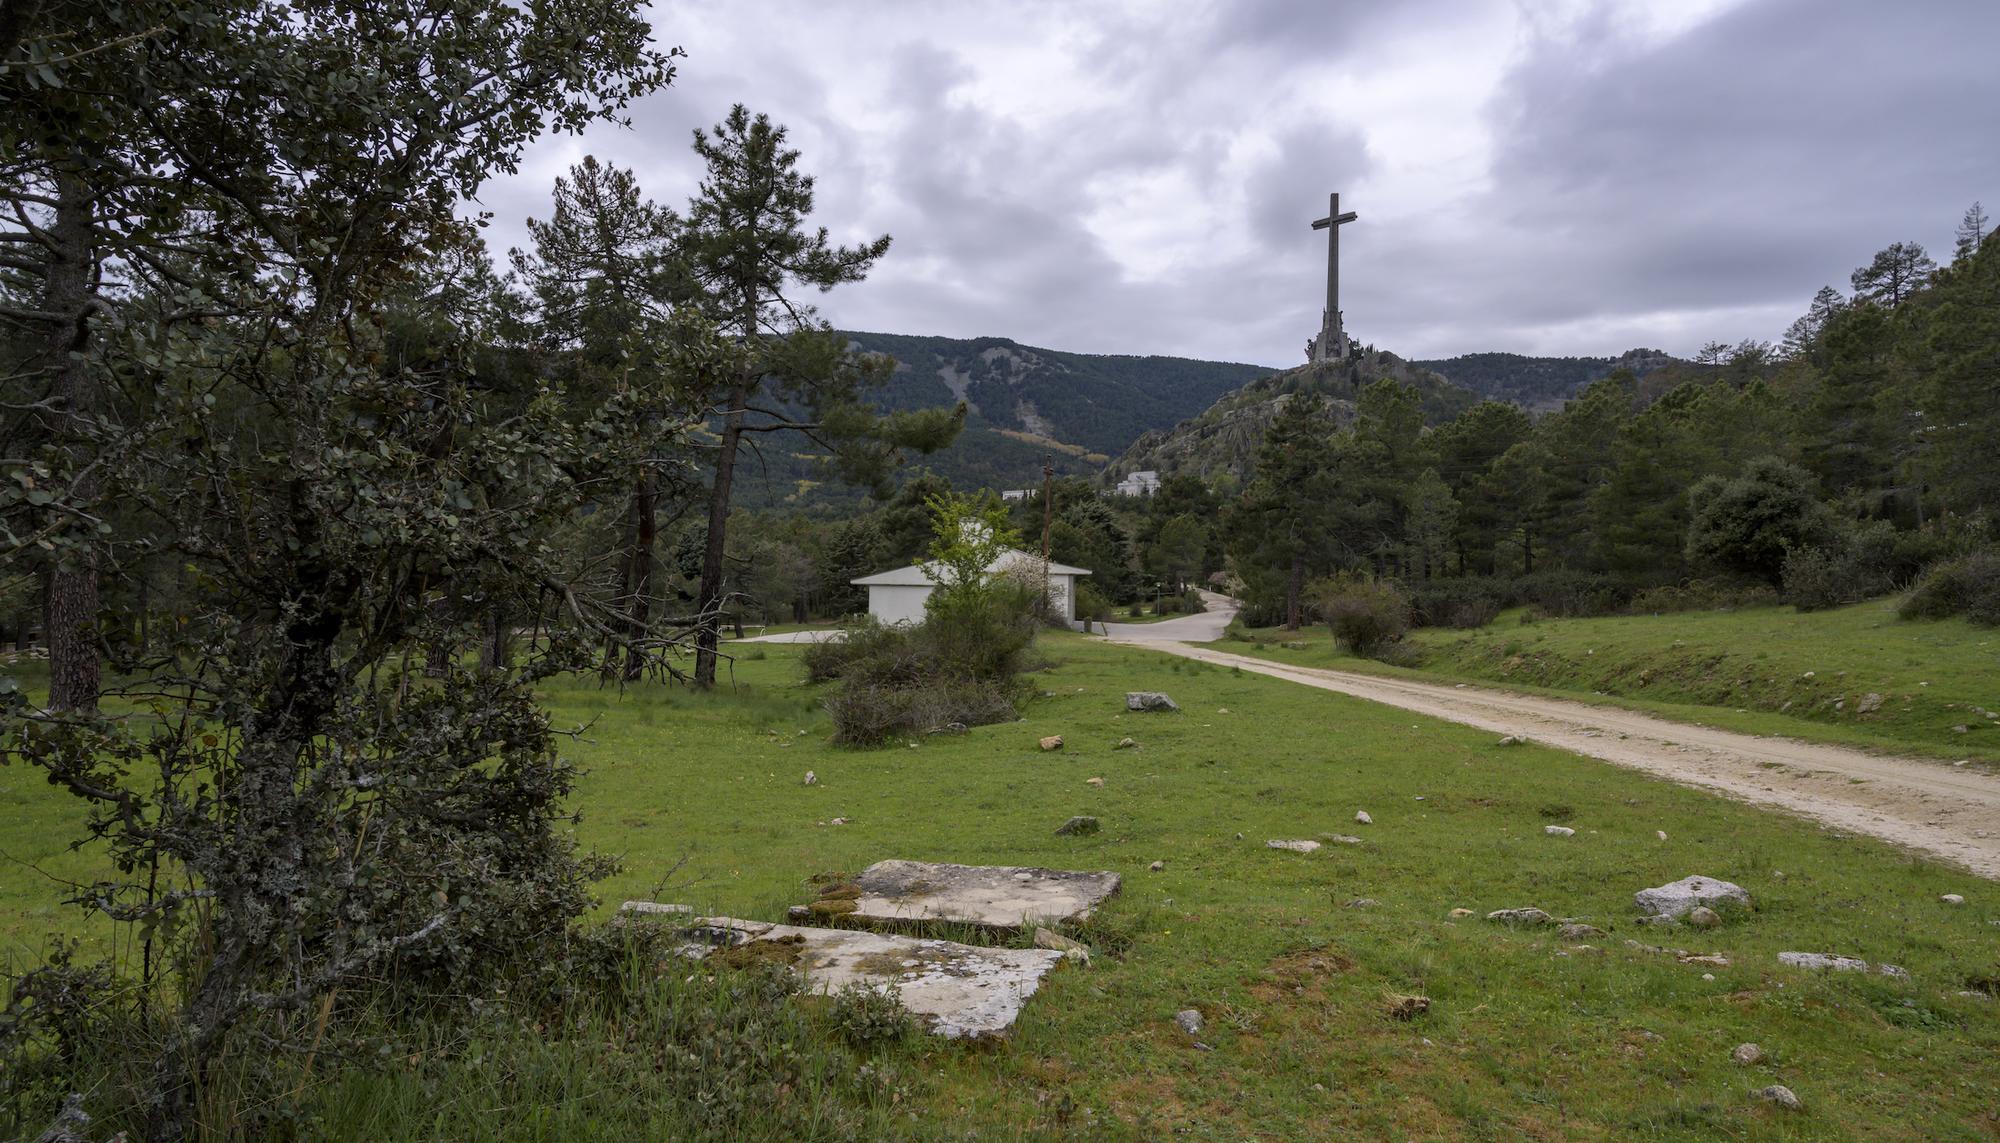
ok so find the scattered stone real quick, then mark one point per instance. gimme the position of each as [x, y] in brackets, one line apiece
[1461, 912]
[1362, 817]
[1528, 916]
[653, 910]
[959, 991]
[1294, 846]
[1512, 740]
[1676, 898]
[1703, 917]
[1361, 903]
[1661, 834]
[1408, 1007]
[950, 728]
[1073, 949]
[1659, 919]
[1747, 1054]
[1895, 970]
[1125, 744]
[812, 779]
[1709, 960]
[1188, 1020]
[1578, 932]
[1078, 826]
[1781, 1095]
[1823, 961]
[1708, 976]
[1093, 781]
[1341, 838]
[998, 897]
[1149, 701]
[1052, 742]
[837, 821]
[1157, 866]
[1558, 831]
[1222, 710]
[1953, 899]
[1869, 704]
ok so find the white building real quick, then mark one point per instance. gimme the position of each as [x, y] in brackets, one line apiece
[1145, 482]
[898, 596]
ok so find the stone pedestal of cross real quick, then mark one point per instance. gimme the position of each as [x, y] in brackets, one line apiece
[1331, 344]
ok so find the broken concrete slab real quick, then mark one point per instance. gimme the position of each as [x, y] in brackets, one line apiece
[959, 991]
[990, 896]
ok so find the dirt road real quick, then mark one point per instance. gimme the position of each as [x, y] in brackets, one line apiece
[1950, 812]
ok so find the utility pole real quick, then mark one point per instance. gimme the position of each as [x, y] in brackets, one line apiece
[1048, 506]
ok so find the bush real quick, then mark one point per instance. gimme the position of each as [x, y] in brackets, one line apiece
[1817, 578]
[1571, 594]
[1702, 595]
[1461, 603]
[1968, 586]
[1364, 614]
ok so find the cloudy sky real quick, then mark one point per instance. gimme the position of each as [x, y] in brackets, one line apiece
[1566, 177]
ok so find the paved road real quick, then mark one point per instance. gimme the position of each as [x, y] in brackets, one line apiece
[1952, 812]
[1203, 628]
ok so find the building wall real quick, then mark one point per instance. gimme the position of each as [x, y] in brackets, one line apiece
[898, 604]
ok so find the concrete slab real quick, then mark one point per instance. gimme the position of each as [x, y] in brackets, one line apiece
[991, 896]
[959, 991]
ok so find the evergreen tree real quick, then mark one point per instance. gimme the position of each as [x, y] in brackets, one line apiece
[747, 250]
[1280, 532]
[1971, 233]
[1802, 336]
[1896, 272]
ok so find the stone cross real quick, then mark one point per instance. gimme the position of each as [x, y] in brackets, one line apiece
[1331, 344]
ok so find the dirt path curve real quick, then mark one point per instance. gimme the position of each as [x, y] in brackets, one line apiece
[1947, 811]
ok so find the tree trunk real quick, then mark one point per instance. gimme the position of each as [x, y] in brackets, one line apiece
[645, 532]
[69, 585]
[708, 603]
[1294, 587]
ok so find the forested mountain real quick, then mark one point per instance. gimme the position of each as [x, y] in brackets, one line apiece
[1539, 384]
[1024, 403]
[1222, 441]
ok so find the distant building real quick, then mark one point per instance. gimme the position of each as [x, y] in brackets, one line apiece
[1145, 482]
[898, 596]
[1017, 493]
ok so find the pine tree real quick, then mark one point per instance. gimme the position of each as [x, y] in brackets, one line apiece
[1972, 231]
[1897, 271]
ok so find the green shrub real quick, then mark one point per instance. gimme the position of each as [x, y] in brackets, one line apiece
[1460, 603]
[1571, 594]
[1702, 595]
[1968, 586]
[1364, 614]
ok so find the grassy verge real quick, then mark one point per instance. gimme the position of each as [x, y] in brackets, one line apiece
[1762, 670]
[1527, 1033]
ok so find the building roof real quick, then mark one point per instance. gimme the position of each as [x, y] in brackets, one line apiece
[913, 576]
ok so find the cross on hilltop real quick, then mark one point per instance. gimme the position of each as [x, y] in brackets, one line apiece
[1332, 343]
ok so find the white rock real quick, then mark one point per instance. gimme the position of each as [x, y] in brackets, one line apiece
[1558, 831]
[1953, 899]
[1511, 740]
[1157, 866]
[1341, 838]
[1747, 1054]
[1661, 834]
[1362, 817]
[1781, 1095]
[957, 990]
[1823, 961]
[1703, 917]
[812, 779]
[1676, 898]
[1188, 1020]
[1294, 846]
[1528, 916]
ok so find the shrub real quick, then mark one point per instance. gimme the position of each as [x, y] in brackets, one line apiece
[1461, 603]
[1092, 605]
[1702, 595]
[1816, 579]
[1364, 614]
[1571, 594]
[1968, 586]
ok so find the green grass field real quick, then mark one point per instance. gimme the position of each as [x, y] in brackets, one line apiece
[1766, 670]
[702, 796]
